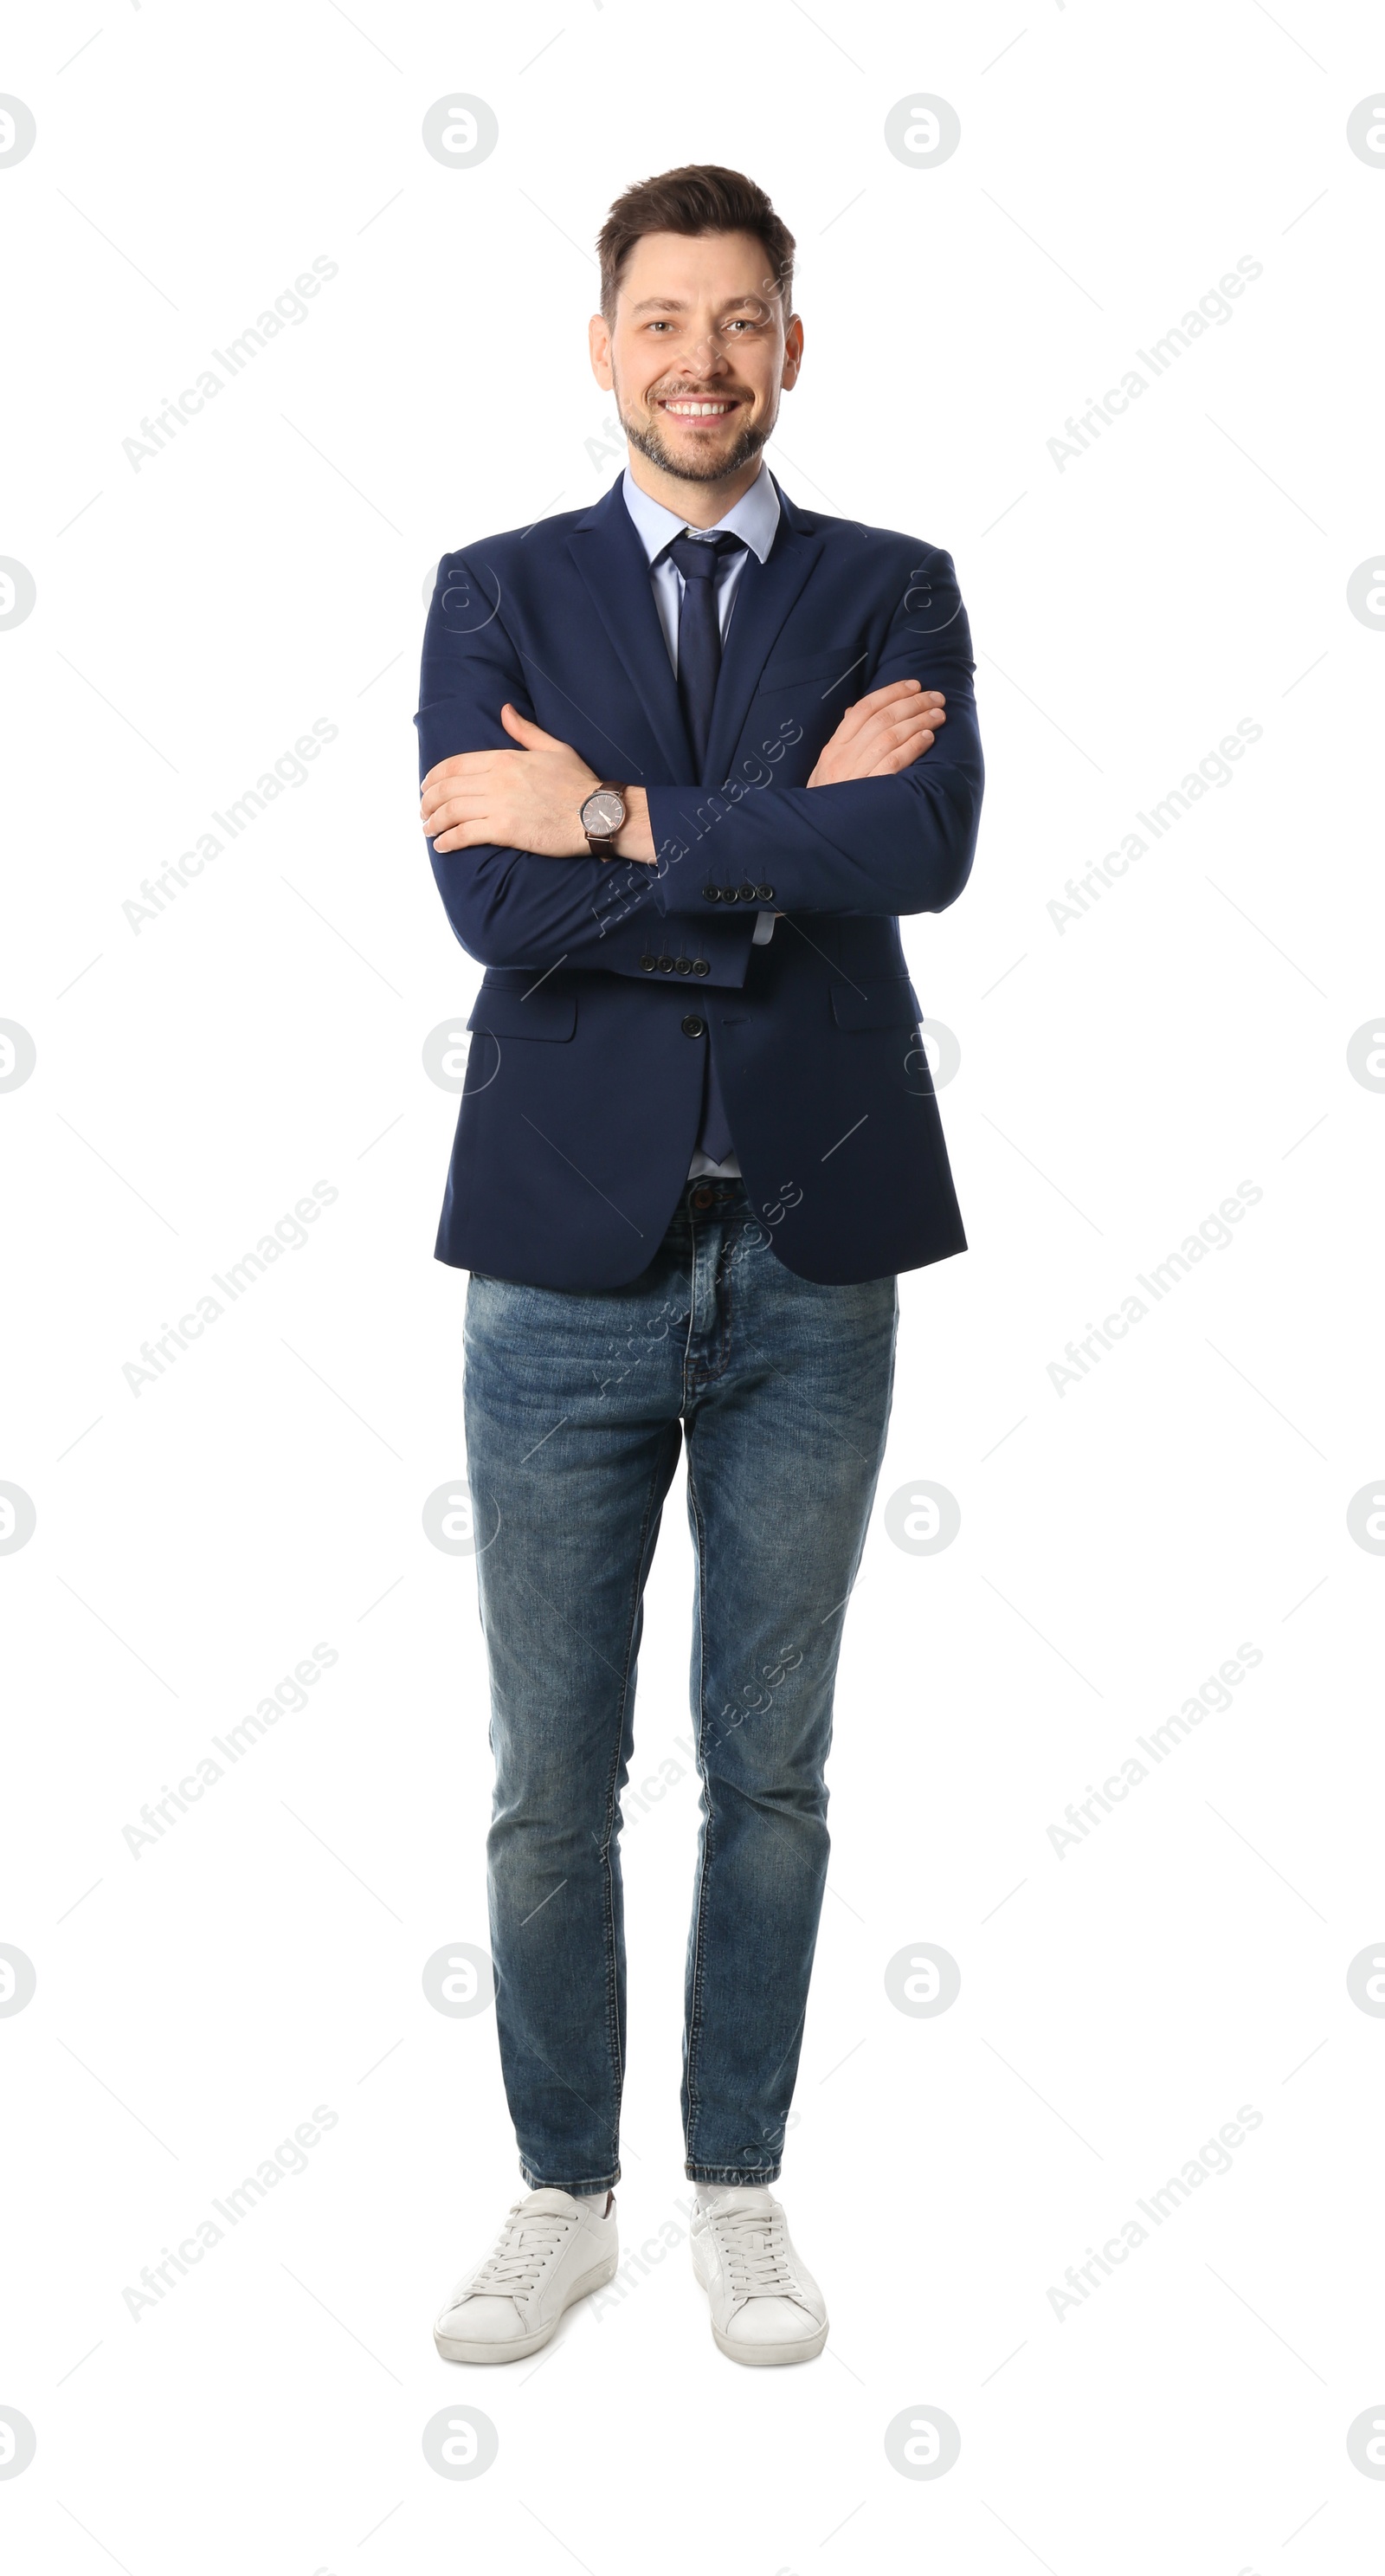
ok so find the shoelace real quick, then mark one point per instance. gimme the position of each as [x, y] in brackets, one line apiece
[523, 2248]
[756, 2253]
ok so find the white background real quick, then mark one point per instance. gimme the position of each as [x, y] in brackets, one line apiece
[1119, 1540]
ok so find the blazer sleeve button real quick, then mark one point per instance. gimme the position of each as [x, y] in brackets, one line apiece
[765, 893]
[700, 966]
[666, 965]
[682, 965]
[712, 893]
[647, 965]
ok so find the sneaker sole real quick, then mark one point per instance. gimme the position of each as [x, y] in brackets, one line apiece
[453, 2348]
[769, 2356]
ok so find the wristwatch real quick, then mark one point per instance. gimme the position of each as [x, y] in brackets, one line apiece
[602, 816]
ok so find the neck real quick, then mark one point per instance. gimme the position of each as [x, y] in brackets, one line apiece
[699, 505]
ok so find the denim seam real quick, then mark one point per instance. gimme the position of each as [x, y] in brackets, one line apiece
[696, 2001]
[726, 1270]
[608, 1904]
[599, 2182]
[722, 1279]
[750, 2175]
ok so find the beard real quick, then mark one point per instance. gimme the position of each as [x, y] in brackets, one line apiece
[647, 438]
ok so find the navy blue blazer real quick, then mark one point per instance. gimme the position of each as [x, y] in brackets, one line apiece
[606, 982]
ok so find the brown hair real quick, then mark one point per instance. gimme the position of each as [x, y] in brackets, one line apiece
[701, 198]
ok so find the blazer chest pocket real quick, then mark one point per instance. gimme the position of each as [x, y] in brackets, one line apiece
[524, 1011]
[887, 1002]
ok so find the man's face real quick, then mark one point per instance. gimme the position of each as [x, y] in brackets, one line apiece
[698, 352]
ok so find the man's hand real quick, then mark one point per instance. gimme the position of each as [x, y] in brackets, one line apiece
[884, 732]
[522, 800]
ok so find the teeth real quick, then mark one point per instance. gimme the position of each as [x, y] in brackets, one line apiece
[698, 410]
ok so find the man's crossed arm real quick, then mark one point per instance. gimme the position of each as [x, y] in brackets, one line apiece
[530, 799]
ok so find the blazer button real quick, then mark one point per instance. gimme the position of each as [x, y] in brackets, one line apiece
[712, 893]
[765, 893]
[666, 965]
[693, 1027]
[730, 894]
[682, 965]
[700, 966]
[648, 964]
[748, 893]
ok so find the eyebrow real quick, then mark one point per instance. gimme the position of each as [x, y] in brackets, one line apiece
[675, 304]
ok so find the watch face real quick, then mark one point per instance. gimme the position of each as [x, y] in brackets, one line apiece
[604, 811]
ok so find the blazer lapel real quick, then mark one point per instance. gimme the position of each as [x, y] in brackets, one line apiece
[612, 562]
[765, 594]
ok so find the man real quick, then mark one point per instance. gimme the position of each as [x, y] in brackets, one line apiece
[686, 757]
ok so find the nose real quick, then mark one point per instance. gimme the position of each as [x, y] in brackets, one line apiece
[709, 357]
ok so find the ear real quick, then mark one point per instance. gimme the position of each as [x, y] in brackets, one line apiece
[793, 353]
[599, 345]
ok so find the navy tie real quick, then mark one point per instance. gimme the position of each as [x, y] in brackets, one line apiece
[699, 561]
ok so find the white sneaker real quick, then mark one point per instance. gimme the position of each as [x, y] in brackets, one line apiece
[551, 2250]
[765, 2307]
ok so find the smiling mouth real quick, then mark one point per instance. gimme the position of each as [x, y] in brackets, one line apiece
[697, 407]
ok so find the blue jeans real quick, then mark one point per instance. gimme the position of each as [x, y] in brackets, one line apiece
[576, 1403]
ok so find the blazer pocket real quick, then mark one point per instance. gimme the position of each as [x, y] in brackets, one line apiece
[514, 1012]
[887, 1002]
[839, 663]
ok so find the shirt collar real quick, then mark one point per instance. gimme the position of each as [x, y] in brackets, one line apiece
[754, 518]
